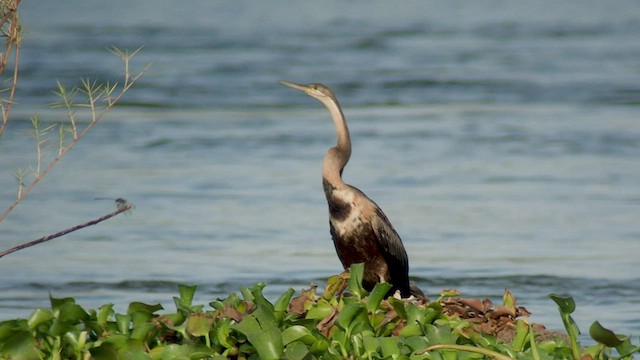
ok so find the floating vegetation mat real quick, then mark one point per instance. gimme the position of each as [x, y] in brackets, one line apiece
[343, 322]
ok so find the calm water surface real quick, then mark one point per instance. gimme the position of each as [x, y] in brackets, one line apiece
[502, 139]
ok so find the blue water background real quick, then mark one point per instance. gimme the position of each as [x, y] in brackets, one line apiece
[502, 139]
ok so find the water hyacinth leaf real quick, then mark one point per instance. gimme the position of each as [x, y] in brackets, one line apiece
[297, 350]
[199, 324]
[320, 310]
[280, 306]
[106, 351]
[626, 349]
[172, 351]
[233, 299]
[19, 345]
[414, 314]
[508, 300]
[186, 294]
[259, 299]
[431, 314]
[534, 345]
[104, 314]
[141, 317]
[38, 317]
[370, 344]
[222, 332]
[414, 343]
[376, 296]
[72, 313]
[603, 335]
[140, 306]
[319, 347]
[410, 330]
[335, 285]
[297, 333]
[521, 337]
[260, 330]
[349, 313]
[57, 303]
[76, 340]
[356, 272]
[143, 331]
[389, 347]
[59, 327]
[9, 327]
[246, 294]
[399, 306]
[566, 303]
[449, 293]
[441, 334]
[217, 304]
[123, 322]
[361, 326]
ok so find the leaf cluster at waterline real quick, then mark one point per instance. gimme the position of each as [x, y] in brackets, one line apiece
[336, 324]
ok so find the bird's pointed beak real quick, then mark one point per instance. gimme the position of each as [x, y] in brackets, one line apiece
[295, 86]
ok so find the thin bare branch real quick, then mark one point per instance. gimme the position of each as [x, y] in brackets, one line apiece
[122, 204]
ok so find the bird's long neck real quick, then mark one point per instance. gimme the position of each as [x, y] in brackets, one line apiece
[337, 156]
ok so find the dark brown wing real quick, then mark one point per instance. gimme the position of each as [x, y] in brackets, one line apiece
[393, 252]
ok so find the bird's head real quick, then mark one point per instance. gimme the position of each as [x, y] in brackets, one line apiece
[318, 91]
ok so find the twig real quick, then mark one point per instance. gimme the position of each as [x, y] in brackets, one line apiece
[122, 204]
[96, 115]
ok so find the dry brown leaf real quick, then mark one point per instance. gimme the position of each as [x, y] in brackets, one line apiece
[475, 304]
[324, 326]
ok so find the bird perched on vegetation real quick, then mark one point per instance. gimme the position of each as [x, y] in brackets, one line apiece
[360, 230]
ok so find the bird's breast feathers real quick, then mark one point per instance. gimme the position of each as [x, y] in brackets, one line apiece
[349, 212]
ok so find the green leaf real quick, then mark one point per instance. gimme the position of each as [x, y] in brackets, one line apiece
[389, 347]
[297, 333]
[262, 333]
[356, 272]
[199, 324]
[566, 303]
[259, 299]
[186, 294]
[376, 296]
[521, 337]
[73, 313]
[335, 284]
[20, 345]
[38, 317]
[57, 303]
[320, 310]
[143, 331]
[297, 350]
[349, 313]
[399, 307]
[441, 334]
[139, 306]
[603, 335]
[105, 351]
[123, 322]
[222, 330]
[280, 306]
[104, 314]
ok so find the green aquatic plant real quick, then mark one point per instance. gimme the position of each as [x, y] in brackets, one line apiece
[332, 325]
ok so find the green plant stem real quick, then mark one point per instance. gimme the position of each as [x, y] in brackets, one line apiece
[468, 348]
